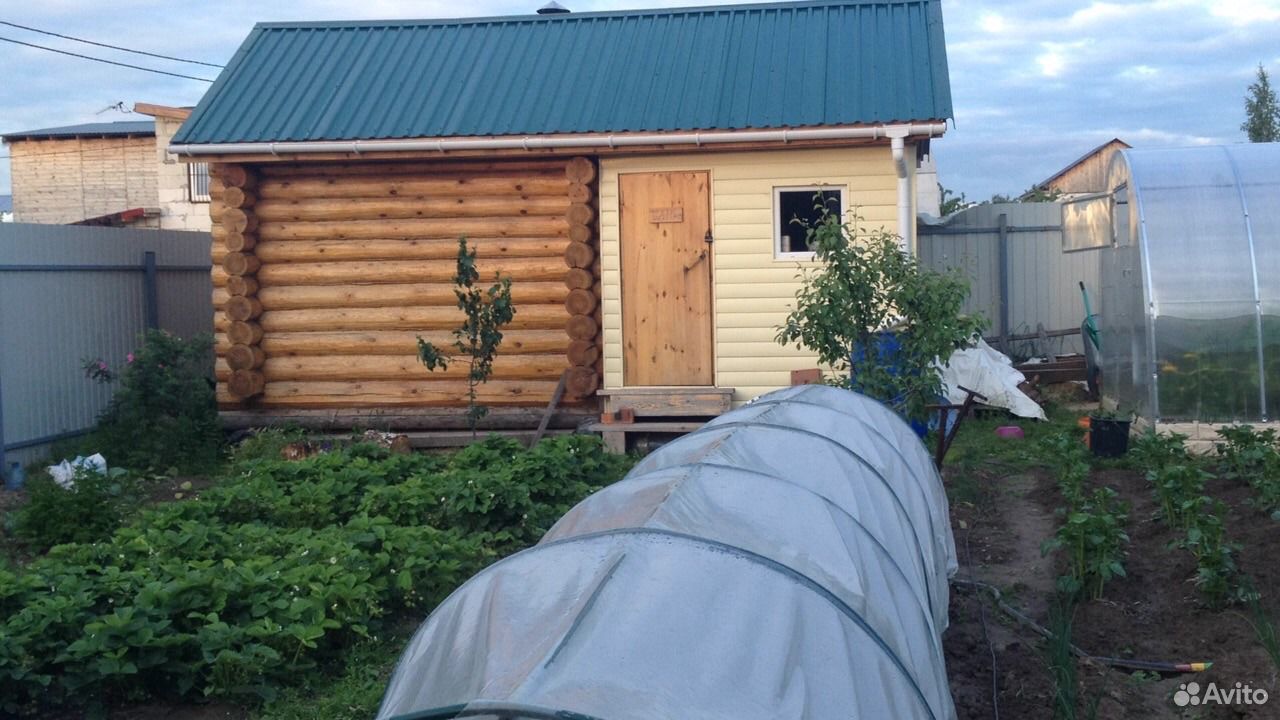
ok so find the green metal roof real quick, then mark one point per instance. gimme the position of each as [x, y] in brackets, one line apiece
[829, 62]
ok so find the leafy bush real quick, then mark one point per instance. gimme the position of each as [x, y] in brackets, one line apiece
[280, 568]
[89, 511]
[865, 285]
[163, 415]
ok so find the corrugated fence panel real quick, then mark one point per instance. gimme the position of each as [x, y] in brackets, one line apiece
[70, 293]
[1043, 281]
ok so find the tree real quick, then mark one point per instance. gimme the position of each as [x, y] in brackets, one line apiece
[951, 203]
[480, 334]
[1261, 110]
[865, 285]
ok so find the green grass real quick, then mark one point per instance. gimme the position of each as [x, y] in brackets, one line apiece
[976, 444]
[353, 693]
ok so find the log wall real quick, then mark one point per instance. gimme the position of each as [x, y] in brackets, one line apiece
[326, 274]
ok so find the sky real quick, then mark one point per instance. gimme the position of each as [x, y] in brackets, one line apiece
[1035, 84]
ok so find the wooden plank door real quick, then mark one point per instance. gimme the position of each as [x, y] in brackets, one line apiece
[666, 278]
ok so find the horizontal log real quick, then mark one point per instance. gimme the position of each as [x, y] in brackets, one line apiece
[384, 187]
[402, 343]
[238, 220]
[529, 317]
[220, 296]
[580, 193]
[402, 207]
[580, 302]
[393, 169]
[244, 333]
[245, 383]
[583, 352]
[499, 227]
[577, 278]
[240, 241]
[242, 285]
[580, 233]
[403, 419]
[240, 263]
[218, 231]
[216, 207]
[246, 357]
[581, 382]
[579, 255]
[242, 309]
[580, 170]
[427, 249]
[424, 393]
[401, 271]
[301, 297]
[235, 176]
[388, 367]
[581, 327]
[218, 275]
[234, 197]
[580, 214]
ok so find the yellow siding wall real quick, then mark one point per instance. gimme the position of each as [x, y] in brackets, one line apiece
[754, 291]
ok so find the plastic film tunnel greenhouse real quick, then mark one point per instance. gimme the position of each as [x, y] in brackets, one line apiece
[1190, 300]
[789, 560]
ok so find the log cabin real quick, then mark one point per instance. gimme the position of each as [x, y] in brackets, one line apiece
[636, 174]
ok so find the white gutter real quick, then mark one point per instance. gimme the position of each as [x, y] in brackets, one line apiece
[542, 142]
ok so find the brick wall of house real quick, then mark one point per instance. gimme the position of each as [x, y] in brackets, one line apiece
[67, 180]
[177, 211]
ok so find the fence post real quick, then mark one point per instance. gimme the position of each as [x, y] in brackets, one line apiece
[149, 290]
[1002, 227]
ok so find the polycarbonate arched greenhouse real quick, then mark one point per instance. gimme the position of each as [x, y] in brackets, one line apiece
[1190, 300]
[788, 561]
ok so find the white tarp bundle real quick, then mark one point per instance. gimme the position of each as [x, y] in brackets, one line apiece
[990, 372]
[787, 561]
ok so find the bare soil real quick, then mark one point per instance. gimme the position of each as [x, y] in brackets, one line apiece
[1155, 613]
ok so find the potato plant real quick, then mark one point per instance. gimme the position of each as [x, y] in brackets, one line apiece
[1250, 455]
[1093, 521]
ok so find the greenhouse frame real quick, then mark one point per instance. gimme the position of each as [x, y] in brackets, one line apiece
[788, 560]
[1190, 298]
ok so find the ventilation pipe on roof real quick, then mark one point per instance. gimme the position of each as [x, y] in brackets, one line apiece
[553, 8]
[906, 227]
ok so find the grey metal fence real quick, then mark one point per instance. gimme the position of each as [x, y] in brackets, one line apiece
[68, 293]
[1020, 277]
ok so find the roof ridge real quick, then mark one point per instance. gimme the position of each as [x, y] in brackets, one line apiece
[534, 18]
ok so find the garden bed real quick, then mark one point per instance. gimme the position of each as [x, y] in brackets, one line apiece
[1003, 508]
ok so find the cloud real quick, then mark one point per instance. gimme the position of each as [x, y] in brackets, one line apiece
[1035, 84]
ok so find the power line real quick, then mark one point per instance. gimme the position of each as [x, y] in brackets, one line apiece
[105, 45]
[108, 62]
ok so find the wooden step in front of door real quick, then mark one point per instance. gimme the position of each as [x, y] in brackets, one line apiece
[666, 410]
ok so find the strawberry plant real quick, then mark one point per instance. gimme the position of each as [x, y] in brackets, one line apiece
[278, 569]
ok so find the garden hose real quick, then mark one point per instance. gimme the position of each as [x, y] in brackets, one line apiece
[1148, 665]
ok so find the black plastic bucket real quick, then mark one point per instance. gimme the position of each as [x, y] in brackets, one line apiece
[1108, 437]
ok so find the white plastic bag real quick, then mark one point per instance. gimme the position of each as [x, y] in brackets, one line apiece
[64, 473]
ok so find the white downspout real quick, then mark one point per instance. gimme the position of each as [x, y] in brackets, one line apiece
[906, 225]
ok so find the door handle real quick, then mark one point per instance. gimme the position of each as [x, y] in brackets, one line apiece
[701, 256]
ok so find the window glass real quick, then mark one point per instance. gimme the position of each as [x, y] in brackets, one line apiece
[797, 209]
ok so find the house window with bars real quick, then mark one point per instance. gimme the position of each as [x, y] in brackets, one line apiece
[198, 182]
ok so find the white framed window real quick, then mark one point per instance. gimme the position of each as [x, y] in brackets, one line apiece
[797, 208]
[198, 182]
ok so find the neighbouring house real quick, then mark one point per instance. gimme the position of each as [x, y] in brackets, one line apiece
[634, 173]
[1088, 174]
[94, 173]
[182, 189]
[6, 208]
[116, 173]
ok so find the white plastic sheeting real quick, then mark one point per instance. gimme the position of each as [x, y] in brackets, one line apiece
[787, 561]
[990, 372]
